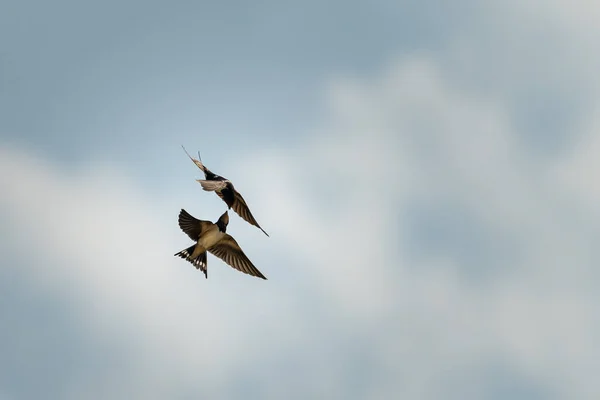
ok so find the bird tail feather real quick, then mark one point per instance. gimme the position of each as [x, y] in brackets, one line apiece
[196, 161]
[199, 262]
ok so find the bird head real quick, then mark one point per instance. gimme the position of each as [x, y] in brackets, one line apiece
[223, 221]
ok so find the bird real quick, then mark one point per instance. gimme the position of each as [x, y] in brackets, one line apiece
[225, 190]
[214, 239]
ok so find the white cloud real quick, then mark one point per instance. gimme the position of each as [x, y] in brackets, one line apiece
[92, 238]
[578, 170]
[347, 299]
[412, 138]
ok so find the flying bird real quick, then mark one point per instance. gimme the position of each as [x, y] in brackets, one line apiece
[212, 238]
[225, 190]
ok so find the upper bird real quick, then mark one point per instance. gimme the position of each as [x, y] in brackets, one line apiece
[225, 190]
[212, 237]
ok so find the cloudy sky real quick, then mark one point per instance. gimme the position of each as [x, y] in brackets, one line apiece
[427, 171]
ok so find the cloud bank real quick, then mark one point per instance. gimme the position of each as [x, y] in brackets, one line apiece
[422, 246]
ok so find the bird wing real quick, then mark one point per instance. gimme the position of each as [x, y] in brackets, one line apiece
[191, 226]
[241, 208]
[212, 186]
[229, 251]
[224, 190]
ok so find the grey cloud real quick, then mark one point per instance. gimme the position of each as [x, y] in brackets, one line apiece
[415, 183]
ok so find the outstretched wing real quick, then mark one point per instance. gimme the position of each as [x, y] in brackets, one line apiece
[229, 251]
[232, 198]
[212, 186]
[241, 208]
[223, 189]
[191, 226]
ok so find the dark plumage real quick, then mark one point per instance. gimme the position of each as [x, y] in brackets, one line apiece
[213, 238]
[225, 190]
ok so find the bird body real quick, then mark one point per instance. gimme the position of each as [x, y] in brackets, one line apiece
[214, 239]
[226, 191]
[209, 238]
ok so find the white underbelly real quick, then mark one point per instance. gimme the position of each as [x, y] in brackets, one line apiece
[208, 239]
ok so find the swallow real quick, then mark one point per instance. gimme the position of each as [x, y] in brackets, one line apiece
[213, 238]
[225, 190]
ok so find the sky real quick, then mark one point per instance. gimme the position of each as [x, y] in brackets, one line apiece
[427, 173]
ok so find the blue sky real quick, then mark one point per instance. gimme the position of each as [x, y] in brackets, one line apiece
[427, 173]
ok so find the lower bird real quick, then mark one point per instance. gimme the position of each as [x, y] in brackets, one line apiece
[212, 238]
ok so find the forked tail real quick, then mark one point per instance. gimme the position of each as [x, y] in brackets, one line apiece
[198, 262]
[197, 162]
